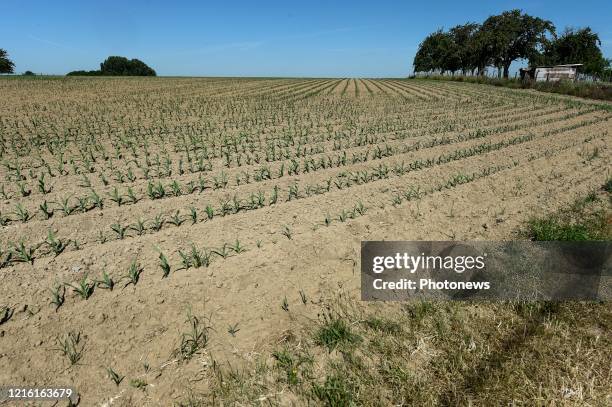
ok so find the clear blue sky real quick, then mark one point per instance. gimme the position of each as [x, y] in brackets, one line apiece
[255, 38]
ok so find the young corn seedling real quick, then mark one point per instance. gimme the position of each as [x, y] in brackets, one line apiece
[96, 200]
[138, 384]
[233, 329]
[131, 196]
[55, 244]
[360, 208]
[65, 206]
[22, 214]
[133, 274]
[303, 297]
[158, 222]
[139, 227]
[328, 220]
[155, 191]
[237, 247]
[343, 216]
[130, 175]
[24, 190]
[274, 197]
[210, 212]
[226, 208]
[163, 264]
[46, 210]
[285, 305]
[195, 339]
[106, 282]
[293, 192]
[185, 260]
[222, 252]
[114, 376]
[119, 230]
[83, 288]
[43, 188]
[83, 204]
[115, 196]
[176, 219]
[176, 188]
[287, 232]
[23, 254]
[58, 295]
[193, 214]
[202, 258]
[72, 346]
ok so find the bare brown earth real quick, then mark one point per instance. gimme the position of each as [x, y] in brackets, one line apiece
[432, 161]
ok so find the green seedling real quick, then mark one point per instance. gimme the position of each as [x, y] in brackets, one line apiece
[139, 227]
[55, 244]
[24, 190]
[222, 252]
[163, 264]
[210, 213]
[97, 201]
[176, 219]
[46, 210]
[58, 295]
[106, 282]
[194, 340]
[158, 222]
[23, 254]
[133, 274]
[237, 248]
[138, 384]
[115, 196]
[119, 230]
[22, 214]
[114, 376]
[233, 329]
[287, 232]
[84, 288]
[72, 346]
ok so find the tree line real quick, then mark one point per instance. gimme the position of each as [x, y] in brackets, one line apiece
[501, 39]
[112, 66]
[118, 66]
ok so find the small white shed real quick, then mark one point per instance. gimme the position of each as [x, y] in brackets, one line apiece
[556, 73]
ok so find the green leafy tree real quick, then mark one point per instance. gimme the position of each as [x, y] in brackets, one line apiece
[574, 46]
[426, 57]
[465, 46]
[512, 35]
[438, 52]
[121, 66]
[6, 65]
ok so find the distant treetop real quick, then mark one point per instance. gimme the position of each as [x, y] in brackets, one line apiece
[119, 66]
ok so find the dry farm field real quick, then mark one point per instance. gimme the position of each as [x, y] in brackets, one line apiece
[195, 241]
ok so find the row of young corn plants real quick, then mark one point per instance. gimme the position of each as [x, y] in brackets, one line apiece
[159, 191]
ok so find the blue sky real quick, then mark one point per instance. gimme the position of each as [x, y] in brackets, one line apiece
[255, 38]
